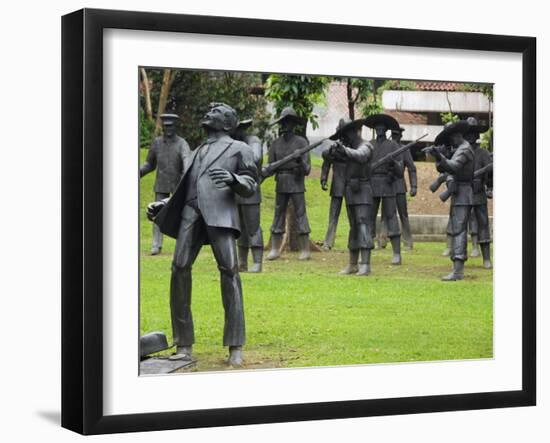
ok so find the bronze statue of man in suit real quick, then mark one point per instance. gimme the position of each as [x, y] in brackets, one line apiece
[166, 155]
[203, 210]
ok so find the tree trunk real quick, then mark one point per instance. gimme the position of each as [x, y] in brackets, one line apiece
[147, 93]
[167, 79]
[351, 101]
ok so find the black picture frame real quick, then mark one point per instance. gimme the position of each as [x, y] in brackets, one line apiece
[82, 218]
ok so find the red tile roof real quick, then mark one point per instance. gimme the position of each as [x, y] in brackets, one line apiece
[444, 86]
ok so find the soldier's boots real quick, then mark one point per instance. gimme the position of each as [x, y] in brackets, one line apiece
[182, 353]
[407, 235]
[351, 267]
[457, 273]
[276, 242]
[257, 255]
[243, 258]
[235, 356]
[396, 247]
[486, 253]
[303, 244]
[447, 251]
[155, 250]
[475, 246]
[364, 265]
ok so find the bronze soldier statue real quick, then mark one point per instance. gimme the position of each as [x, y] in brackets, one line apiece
[290, 184]
[337, 187]
[166, 155]
[355, 153]
[249, 208]
[382, 180]
[480, 213]
[201, 211]
[401, 189]
[461, 173]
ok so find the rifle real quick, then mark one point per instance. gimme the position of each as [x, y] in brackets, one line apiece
[444, 196]
[270, 168]
[390, 156]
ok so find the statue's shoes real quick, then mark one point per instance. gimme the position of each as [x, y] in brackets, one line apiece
[256, 268]
[304, 255]
[182, 356]
[155, 251]
[453, 276]
[396, 259]
[487, 264]
[273, 255]
[235, 357]
[349, 269]
[475, 252]
[364, 269]
[446, 253]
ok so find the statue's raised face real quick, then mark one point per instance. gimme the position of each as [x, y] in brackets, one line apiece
[220, 117]
[456, 139]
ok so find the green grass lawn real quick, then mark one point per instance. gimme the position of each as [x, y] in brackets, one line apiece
[305, 314]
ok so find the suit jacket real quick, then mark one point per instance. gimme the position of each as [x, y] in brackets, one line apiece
[217, 206]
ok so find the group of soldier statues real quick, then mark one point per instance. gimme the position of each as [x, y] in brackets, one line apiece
[211, 195]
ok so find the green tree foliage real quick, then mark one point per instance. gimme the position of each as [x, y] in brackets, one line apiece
[447, 117]
[192, 91]
[302, 92]
[146, 130]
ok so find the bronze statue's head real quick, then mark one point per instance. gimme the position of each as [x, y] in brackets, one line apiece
[169, 122]
[220, 117]
[397, 134]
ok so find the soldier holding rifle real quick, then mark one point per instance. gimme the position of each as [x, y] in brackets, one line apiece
[461, 168]
[290, 171]
[337, 187]
[382, 180]
[401, 189]
[355, 153]
[480, 213]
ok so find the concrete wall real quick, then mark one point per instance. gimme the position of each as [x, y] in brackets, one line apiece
[435, 101]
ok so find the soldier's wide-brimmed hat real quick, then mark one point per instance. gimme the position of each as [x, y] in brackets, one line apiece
[243, 124]
[443, 137]
[475, 126]
[169, 119]
[288, 113]
[382, 119]
[400, 130]
[344, 124]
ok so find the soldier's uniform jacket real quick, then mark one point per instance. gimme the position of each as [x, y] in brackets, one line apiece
[217, 206]
[358, 189]
[290, 177]
[461, 167]
[399, 184]
[257, 151]
[383, 178]
[338, 183]
[482, 158]
[167, 156]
